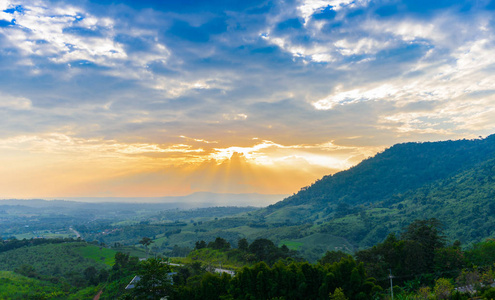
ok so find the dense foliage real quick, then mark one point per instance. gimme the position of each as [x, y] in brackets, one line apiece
[284, 280]
[424, 266]
[220, 252]
[15, 243]
[398, 169]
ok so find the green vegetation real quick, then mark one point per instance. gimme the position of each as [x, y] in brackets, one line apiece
[98, 254]
[50, 259]
[220, 254]
[292, 245]
[132, 251]
[16, 286]
[52, 269]
[424, 265]
[286, 279]
[154, 282]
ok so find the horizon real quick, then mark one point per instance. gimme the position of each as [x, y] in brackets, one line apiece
[145, 99]
[194, 200]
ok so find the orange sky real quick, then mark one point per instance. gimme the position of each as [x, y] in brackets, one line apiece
[56, 165]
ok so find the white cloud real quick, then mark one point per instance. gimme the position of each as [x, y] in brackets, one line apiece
[16, 103]
[309, 7]
[353, 96]
[65, 144]
[319, 52]
[199, 140]
[45, 30]
[4, 5]
[361, 46]
[235, 117]
[40, 32]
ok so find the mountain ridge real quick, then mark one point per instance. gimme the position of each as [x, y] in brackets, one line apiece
[334, 188]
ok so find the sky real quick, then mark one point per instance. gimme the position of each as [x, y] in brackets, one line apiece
[167, 98]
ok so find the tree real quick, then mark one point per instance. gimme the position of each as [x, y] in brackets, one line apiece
[219, 244]
[27, 270]
[154, 282]
[332, 256]
[262, 248]
[338, 294]
[243, 244]
[426, 236]
[200, 245]
[146, 241]
[443, 288]
[91, 275]
[482, 253]
[426, 232]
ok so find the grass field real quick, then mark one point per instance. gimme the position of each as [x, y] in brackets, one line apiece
[104, 255]
[314, 246]
[132, 251]
[292, 245]
[45, 234]
[210, 257]
[15, 286]
[246, 230]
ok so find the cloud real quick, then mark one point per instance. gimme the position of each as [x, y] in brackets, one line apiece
[183, 84]
[235, 117]
[15, 103]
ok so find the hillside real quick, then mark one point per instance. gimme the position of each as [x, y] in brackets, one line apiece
[452, 181]
[398, 169]
[67, 259]
[463, 203]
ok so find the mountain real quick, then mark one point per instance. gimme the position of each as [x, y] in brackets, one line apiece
[398, 169]
[449, 180]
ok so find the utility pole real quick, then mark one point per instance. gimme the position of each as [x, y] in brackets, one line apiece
[391, 285]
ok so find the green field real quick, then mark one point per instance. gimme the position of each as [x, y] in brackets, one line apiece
[316, 245]
[15, 286]
[210, 257]
[292, 245]
[98, 254]
[44, 234]
[132, 251]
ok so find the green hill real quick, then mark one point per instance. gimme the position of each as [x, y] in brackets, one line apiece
[15, 286]
[54, 262]
[452, 181]
[398, 169]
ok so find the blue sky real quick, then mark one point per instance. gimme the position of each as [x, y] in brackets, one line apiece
[150, 98]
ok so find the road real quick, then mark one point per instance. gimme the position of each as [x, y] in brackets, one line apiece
[78, 235]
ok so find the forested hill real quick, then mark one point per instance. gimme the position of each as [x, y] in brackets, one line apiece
[398, 169]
